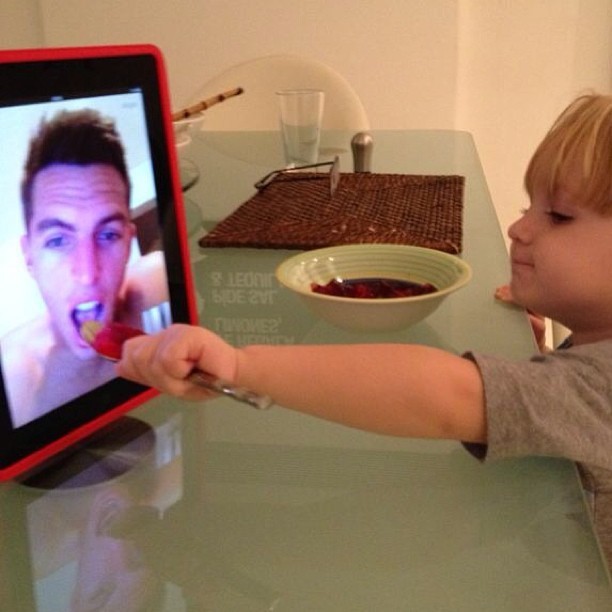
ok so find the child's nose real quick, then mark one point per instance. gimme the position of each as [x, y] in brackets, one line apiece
[520, 230]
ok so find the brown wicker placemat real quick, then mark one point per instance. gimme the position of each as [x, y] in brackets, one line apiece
[297, 212]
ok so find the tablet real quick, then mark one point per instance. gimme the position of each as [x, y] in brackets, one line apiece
[92, 228]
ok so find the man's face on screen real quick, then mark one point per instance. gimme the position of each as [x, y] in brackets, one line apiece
[77, 245]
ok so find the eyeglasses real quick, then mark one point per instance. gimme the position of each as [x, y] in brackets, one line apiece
[295, 174]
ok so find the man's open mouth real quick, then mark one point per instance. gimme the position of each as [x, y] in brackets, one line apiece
[87, 311]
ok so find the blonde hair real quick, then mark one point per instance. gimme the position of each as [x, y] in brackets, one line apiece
[576, 154]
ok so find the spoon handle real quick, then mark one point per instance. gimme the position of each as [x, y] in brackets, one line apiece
[240, 394]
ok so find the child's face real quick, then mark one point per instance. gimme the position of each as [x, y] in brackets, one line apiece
[561, 255]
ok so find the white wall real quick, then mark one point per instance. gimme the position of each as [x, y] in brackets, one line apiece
[399, 54]
[501, 69]
[520, 63]
[20, 24]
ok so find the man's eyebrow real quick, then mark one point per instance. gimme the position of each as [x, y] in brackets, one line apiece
[118, 216]
[55, 223]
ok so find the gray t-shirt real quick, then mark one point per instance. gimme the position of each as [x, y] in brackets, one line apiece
[556, 404]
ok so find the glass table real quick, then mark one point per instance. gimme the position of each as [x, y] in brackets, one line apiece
[222, 507]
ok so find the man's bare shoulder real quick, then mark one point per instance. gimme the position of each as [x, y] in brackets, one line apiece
[24, 353]
[145, 287]
[24, 350]
[28, 342]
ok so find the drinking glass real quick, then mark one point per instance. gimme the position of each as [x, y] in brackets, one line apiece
[301, 113]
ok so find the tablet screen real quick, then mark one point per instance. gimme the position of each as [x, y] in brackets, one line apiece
[90, 230]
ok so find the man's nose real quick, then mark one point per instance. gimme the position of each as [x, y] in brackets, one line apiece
[86, 264]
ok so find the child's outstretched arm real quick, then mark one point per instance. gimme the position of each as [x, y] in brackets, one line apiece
[396, 389]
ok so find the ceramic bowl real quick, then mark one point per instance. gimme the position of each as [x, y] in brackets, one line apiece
[184, 128]
[447, 273]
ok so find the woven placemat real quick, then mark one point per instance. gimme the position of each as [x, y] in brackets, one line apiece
[297, 212]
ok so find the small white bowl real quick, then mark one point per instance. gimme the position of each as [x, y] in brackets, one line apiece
[402, 262]
[183, 129]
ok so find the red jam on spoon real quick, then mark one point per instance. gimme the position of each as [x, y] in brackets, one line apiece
[107, 340]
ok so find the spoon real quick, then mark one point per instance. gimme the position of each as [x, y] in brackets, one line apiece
[107, 341]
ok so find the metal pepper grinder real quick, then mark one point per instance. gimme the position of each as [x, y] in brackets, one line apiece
[362, 145]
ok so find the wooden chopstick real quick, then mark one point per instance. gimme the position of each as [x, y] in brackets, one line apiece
[185, 113]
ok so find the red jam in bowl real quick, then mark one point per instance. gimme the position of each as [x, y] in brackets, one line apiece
[373, 288]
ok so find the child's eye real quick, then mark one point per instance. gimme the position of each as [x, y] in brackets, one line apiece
[558, 218]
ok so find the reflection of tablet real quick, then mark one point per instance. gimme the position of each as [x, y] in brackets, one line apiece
[92, 228]
[83, 544]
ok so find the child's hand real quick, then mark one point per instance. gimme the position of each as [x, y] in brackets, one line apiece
[164, 360]
[504, 294]
[538, 322]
